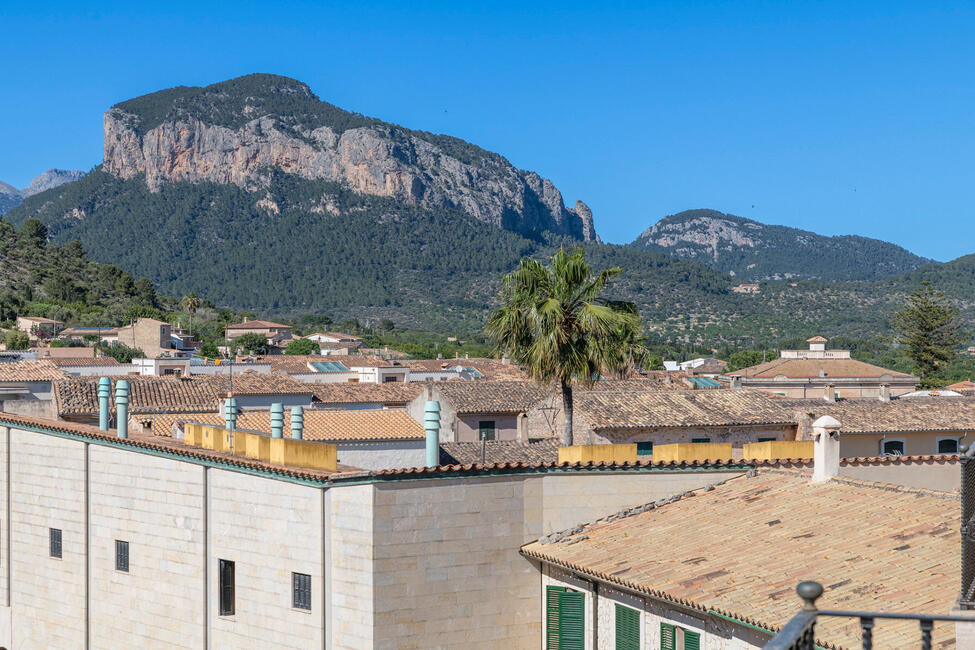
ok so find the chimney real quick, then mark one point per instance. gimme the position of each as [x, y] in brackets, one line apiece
[522, 425]
[826, 450]
[431, 424]
[829, 393]
[122, 408]
[104, 392]
[277, 420]
[505, 360]
[297, 422]
[736, 383]
[884, 392]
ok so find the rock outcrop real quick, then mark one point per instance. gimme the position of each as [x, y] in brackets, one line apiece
[200, 144]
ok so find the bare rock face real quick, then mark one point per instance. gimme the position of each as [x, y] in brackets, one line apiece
[376, 159]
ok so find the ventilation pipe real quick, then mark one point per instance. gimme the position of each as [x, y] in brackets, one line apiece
[104, 393]
[230, 413]
[122, 408]
[277, 420]
[431, 423]
[826, 449]
[297, 422]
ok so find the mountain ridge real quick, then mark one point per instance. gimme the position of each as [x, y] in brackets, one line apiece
[236, 130]
[11, 197]
[754, 251]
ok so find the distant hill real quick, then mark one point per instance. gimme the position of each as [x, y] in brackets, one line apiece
[753, 251]
[11, 197]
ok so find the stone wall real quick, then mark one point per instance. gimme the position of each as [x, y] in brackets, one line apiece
[737, 436]
[351, 610]
[383, 455]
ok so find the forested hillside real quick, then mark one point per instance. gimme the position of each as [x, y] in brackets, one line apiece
[753, 251]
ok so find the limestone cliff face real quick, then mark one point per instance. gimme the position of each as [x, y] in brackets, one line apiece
[376, 159]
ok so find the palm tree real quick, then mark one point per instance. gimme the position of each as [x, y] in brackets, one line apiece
[191, 303]
[555, 324]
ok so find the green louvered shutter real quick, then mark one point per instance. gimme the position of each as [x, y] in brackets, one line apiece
[692, 640]
[572, 621]
[668, 637]
[627, 628]
[552, 597]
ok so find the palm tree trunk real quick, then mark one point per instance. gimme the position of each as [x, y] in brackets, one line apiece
[567, 409]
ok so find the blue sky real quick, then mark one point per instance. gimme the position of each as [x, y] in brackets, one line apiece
[818, 115]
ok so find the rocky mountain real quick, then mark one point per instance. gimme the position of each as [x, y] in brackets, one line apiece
[11, 197]
[753, 251]
[234, 132]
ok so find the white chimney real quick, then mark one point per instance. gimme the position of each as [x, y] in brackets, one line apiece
[826, 451]
[829, 393]
[884, 392]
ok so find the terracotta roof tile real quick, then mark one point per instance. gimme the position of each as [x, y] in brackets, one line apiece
[320, 424]
[84, 361]
[492, 369]
[43, 370]
[740, 548]
[257, 324]
[396, 392]
[490, 396]
[810, 368]
[258, 383]
[78, 396]
[296, 364]
[900, 414]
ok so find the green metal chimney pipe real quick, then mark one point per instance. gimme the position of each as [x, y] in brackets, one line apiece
[431, 423]
[277, 420]
[122, 408]
[104, 393]
[297, 422]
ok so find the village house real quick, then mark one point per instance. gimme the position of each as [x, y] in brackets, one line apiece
[92, 366]
[336, 340]
[39, 328]
[76, 398]
[642, 412]
[466, 368]
[153, 337]
[274, 333]
[313, 369]
[365, 396]
[821, 373]
[25, 387]
[479, 410]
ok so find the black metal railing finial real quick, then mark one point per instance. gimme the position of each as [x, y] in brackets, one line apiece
[809, 591]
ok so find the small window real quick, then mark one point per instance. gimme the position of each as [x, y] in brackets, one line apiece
[565, 621]
[485, 430]
[389, 379]
[766, 439]
[121, 556]
[301, 591]
[893, 448]
[700, 440]
[948, 446]
[644, 449]
[673, 637]
[55, 538]
[226, 588]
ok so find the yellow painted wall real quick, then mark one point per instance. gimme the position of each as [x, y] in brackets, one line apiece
[303, 453]
[599, 453]
[776, 449]
[691, 451]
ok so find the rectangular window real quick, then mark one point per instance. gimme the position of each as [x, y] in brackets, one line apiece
[692, 640]
[55, 538]
[226, 588]
[668, 637]
[700, 440]
[301, 591]
[893, 448]
[565, 626]
[485, 430]
[644, 449]
[947, 446]
[121, 556]
[627, 628]
[766, 439]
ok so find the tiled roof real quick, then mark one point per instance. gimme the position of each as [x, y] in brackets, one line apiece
[43, 370]
[258, 383]
[320, 424]
[490, 396]
[499, 451]
[628, 407]
[396, 392]
[492, 369]
[899, 414]
[78, 396]
[962, 385]
[296, 364]
[740, 548]
[810, 368]
[339, 335]
[61, 362]
[257, 324]
[41, 319]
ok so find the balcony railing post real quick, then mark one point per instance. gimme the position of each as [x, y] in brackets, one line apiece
[967, 527]
[926, 626]
[866, 632]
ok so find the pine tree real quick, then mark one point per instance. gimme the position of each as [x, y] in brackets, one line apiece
[928, 326]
